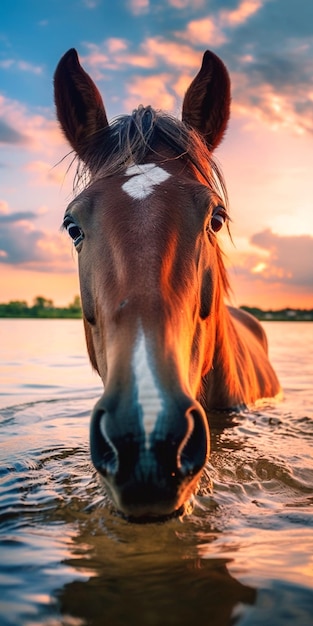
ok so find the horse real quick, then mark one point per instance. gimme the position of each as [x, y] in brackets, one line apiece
[154, 288]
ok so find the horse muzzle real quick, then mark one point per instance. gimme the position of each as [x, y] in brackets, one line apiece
[149, 472]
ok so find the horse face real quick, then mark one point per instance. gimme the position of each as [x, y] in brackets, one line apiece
[149, 275]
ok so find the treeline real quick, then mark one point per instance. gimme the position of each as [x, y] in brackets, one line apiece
[281, 315]
[42, 307]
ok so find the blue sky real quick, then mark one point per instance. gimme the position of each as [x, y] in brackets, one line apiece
[144, 51]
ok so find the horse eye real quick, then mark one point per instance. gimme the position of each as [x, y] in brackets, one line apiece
[218, 218]
[74, 231]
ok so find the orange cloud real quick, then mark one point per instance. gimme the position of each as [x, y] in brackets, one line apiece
[116, 45]
[265, 103]
[155, 89]
[4, 207]
[290, 258]
[183, 4]
[115, 54]
[172, 53]
[43, 173]
[208, 31]
[205, 32]
[181, 85]
[240, 15]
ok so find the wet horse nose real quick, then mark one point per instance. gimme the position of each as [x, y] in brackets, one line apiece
[154, 474]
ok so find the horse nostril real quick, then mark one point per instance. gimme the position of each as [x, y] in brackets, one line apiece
[103, 452]
[195, 448]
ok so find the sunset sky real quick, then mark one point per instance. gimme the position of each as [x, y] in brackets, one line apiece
[141, 51]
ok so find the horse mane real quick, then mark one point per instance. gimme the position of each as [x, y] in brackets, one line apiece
[131, 139]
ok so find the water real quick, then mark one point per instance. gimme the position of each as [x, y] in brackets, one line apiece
[245, 554]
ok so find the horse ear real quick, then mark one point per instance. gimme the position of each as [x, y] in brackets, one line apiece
[79, 105]
[206, 106]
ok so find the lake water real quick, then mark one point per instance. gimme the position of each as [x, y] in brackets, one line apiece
[245, 554]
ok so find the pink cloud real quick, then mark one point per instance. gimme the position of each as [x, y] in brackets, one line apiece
[205, 32]
[290, 258]
[116, 45]
[283, 260]
[172, 53]
[183, 4]
[4, 207]
[245, 9]
[150, 89]
[137, 7]
[280, 110]
[115, 54]
[39, 132]
[44, 173]
[181, 85]
[23, 244]
[209, 30]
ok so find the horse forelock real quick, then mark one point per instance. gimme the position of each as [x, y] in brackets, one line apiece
[131, 139]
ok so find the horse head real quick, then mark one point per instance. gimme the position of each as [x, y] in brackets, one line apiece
[152, 280]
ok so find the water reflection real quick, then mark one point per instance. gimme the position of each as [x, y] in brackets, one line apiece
[151, 580]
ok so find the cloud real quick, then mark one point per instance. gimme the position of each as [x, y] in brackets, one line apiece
[153, 52]
[270, 59]
[43, 173]
[161, 88]
[138, 7]
[184, 4]
[115, 44]
[9, 135]
[152, 89]
[203, 32]
[212, 30]
[281, 259]
[21, 244]
[114, 54]
[271, 82]
[245, 9]
[276, 89]
[4, 207]
[170, 53]
[20, 127]
[20, 216]
[20, 65]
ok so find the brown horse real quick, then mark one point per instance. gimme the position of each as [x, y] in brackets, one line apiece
[153, 287]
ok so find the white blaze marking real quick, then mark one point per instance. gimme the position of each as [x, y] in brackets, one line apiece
[149, 396]
[143, 180]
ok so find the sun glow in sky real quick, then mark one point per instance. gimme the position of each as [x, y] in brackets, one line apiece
[140, 51]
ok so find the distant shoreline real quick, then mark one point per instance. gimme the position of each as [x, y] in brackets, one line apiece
[45, 309]
[280, 315]
[41, 309]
